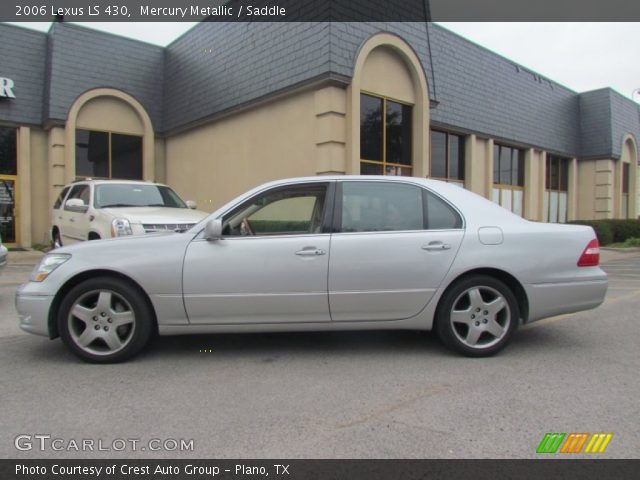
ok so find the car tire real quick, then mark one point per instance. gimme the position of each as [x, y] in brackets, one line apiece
[105, 320]
[477, 316]
[56, 241]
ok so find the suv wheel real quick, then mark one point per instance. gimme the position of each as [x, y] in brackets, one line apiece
[56, 242]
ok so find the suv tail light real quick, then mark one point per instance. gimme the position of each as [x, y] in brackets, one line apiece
[591, 255]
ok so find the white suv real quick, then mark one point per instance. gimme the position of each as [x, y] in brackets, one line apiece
[95, 209]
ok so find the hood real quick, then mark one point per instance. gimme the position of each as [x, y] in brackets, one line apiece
[156, 215]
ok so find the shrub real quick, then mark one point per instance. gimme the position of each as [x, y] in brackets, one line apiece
[603, 229]
[623, 229]
[632, 242]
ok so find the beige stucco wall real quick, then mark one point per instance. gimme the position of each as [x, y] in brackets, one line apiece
[595, 189]
[385, 73]
[22, 207]
[213, 163]
[110, 114]
[605, 189]
[56, 161]
[40, 205]
[160, 161]
[478, 162]
[586, 189]
[331, 130]
[534, 184]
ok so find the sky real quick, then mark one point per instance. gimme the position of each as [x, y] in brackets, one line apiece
[580, 56]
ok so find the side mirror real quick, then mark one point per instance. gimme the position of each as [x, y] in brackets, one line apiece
[213, 230]
[191, 204]
[76, 205]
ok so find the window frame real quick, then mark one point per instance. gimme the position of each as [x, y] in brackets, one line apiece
[15, 151]
[384, 162]
[110, 134]
[626, 178]
[327, 215]
[86, 186]
[625, 189]
[521, 154]
[447, 159]
[337, 208]
[62, 196]
[563, 165]
[508, 186]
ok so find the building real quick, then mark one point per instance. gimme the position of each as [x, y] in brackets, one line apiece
[229, 105]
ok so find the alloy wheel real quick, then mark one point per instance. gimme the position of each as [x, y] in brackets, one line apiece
[480, 317]
[101, 322]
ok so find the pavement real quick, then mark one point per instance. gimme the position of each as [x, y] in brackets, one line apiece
[333, 395]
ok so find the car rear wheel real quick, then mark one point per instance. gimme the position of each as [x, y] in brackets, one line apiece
[477, 316]
[105, 320]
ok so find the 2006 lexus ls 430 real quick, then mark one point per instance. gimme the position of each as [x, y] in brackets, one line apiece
[320, 253]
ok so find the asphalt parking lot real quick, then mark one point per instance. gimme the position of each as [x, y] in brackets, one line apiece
[333, 395]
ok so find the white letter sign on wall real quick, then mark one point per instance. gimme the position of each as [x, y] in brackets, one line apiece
[6, 87]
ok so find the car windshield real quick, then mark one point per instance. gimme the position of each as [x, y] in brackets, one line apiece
[113, 195]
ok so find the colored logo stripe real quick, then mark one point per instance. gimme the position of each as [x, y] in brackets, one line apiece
[550, 443]
[598, 443]
[574, 443]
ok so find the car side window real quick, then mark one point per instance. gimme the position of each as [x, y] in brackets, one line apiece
[60, 198]
[439, 214]
[381, 207]
[283, 211]
[80, 191]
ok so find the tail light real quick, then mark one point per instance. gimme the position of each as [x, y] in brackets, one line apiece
[591, 255]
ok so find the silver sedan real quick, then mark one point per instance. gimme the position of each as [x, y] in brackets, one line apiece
[320, 253]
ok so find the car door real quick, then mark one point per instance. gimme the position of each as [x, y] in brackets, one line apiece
[74, 222]
[393, 245]
[271, 264]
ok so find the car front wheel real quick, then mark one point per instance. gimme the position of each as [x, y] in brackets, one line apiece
[57, 242]
[477, 316]
[105, 320]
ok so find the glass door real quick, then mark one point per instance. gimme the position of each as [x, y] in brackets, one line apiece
[8, 210]
[8, 186]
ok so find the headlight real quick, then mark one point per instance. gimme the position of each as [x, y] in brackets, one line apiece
[47, 265]
[120, 227]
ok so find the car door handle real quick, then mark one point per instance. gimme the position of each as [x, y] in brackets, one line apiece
[72, 219]
[436, 246]
[310, 252]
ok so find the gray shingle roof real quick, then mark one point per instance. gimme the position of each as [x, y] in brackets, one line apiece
[23, 61]
[83, 59]
[605, 118]
[217, 67]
